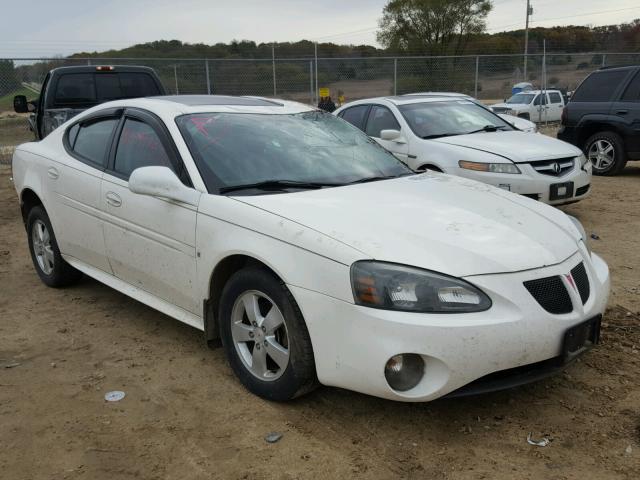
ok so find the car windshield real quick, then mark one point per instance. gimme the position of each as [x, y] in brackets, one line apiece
[521, 98]
[293, 151]
[459, 117]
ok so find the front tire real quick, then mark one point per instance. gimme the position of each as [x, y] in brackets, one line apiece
[265, 337]
[605, 151]
[45, 254]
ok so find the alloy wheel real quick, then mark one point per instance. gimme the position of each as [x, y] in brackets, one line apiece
[42, 248]
[601, 154]
[260, 335]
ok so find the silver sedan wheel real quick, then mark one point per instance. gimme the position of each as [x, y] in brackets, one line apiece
[42, 248]
[602, 154]
[260, 335]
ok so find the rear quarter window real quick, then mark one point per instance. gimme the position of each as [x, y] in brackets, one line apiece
[599, 87]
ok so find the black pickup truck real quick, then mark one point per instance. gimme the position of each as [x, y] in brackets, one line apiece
[67, 91]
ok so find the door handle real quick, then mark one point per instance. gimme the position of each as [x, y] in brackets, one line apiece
[53, 173]
[113, 199]
[622, 112]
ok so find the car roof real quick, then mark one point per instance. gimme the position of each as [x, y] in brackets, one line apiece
[171, 106]
[95, 69]
[409, 98]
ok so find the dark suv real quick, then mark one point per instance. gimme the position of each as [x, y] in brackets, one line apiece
[603, 118]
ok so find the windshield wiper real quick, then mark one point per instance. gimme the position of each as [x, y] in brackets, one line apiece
[439, 135]
[487, 128]
[375, 179]
[278, 185]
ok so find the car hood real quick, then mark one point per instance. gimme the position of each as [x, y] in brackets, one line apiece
[510, 106]
[517, 146]
[439, 222]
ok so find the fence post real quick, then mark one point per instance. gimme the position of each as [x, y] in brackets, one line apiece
[475, 94]
[604, 60]
[273, 65]
[88, 61]
[175, 77]
[316, 60]
[206, 71]
[395, 76]
[311, 81]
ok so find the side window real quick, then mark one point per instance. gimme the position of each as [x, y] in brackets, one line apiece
[381, 118]
[540, 99]
[599, 87]
[139, 146]
[632, 93]
[554, 97]
[91, 140]
[355, 115]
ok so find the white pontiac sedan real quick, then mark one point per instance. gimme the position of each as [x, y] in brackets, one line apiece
[460, 137]
[311, 252]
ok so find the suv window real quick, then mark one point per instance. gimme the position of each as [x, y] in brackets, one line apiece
[599, 87]
[355, 115]
[139, 146]
[540, 98]
[554, 97]
[91, 140]
[632, 93]
[381, 118]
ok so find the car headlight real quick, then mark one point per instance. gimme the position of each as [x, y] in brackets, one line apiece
[398, 287]
[582, 231]
[489, 167]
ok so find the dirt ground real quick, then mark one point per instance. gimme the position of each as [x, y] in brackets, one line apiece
[185, 416]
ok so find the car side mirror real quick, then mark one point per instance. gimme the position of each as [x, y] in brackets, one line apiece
[391, 135]
[161, 182]
[20, 104]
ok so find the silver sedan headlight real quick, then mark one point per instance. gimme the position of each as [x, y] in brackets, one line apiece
[399, 287]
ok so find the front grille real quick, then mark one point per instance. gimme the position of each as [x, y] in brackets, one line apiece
[534, 196]
[579, 274]
[551, 294]
[501, 109]
[582, 190]
[555, 168]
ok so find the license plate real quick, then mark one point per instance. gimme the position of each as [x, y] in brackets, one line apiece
[561, 190]
[581, 338]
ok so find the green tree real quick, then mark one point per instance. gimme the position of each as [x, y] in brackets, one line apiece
[432, 27]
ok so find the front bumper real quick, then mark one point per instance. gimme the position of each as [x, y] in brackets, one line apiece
[533, 184]
[352, 343]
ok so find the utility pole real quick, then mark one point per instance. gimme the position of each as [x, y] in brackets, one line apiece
[526, 39]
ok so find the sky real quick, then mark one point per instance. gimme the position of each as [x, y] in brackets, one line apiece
[46, 28]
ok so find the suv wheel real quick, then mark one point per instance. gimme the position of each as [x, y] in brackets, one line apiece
[49, 264]
[606, 152]
[265, 337]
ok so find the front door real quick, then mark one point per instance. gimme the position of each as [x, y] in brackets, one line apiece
[150, 241]
[381, 118]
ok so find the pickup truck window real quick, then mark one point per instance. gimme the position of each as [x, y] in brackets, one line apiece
[92, 140]
[87, 89]
[599, 87]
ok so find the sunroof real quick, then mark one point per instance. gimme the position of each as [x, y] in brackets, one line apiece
[193, 100]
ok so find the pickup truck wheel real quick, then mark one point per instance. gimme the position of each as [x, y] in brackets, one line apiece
[49, 264]
[265, 337]
[605, 150]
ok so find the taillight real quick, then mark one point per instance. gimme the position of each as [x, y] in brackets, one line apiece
[563, 116]
[105, 68]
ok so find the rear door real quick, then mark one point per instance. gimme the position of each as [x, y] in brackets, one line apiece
[626, 113]
[554, 110]
[76, 180]
[150, 241]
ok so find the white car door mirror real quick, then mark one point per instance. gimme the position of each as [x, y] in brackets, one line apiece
[161, 182]
[391, 135]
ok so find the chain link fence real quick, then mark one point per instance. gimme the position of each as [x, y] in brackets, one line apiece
[487, 77]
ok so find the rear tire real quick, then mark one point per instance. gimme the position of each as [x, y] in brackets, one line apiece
[52, 269]
[605, 151]
[265, 337]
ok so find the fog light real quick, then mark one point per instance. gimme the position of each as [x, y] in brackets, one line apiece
[403, 372]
